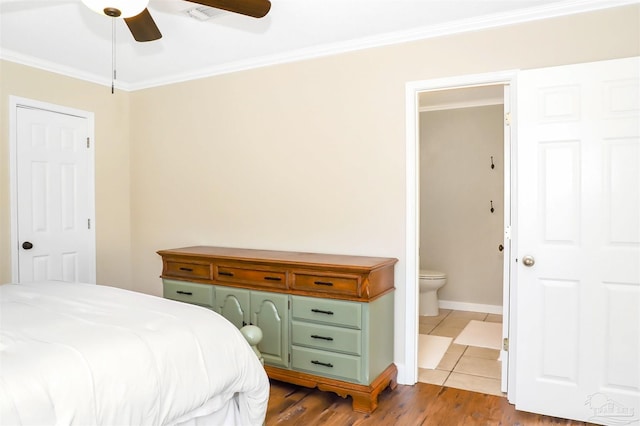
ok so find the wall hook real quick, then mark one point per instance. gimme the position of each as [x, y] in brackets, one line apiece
[492, 209]
[493, 166]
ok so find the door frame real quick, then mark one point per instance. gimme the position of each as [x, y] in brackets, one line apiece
[14, 103]
[412, 92]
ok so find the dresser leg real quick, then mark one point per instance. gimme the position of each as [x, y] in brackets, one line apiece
[393, 383]
[367, 402]
[364, 403]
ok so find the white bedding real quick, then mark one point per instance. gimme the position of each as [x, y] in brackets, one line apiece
[86, 354]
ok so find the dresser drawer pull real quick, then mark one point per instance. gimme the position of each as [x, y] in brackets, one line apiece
[226, 274]
[188, 293]
[319, 311]
[327, 283]
[315, 336]
[273, 278]
[326, 364]
[187, 269]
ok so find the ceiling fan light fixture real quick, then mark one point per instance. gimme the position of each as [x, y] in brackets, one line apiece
[127, 8]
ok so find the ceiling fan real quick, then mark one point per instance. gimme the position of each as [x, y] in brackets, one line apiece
[143, 27]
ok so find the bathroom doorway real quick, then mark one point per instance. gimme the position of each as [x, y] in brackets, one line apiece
[464, 217]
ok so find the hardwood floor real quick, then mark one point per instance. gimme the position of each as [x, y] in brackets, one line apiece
[422, 404]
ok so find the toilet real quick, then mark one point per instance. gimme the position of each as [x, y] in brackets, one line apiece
[430, 282]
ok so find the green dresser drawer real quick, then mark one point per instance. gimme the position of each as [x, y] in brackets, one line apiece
[328, 364]
[198, 294]
[326, 337]
[327, 311]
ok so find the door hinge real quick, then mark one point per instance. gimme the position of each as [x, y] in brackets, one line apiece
[505, 344]
[289, 358]
[88, 143]
[507, 232]
[507, 119]
[88, 223]
[289, 304]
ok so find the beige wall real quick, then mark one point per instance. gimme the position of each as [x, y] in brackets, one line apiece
[301, 156]
[310, 155]
[458, 233]
[111, 162]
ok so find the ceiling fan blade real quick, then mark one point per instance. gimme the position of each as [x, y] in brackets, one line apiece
[143, 27]
[254, 8]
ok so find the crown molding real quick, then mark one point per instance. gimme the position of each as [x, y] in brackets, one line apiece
[569, 7]
[56, 68]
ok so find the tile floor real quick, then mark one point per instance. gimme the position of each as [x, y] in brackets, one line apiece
[463, 367]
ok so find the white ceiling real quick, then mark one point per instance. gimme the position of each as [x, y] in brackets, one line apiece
[65, 36]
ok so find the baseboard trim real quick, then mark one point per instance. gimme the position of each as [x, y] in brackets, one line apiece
[473, 307]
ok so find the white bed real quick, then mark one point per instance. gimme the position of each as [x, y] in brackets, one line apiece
[87, 354]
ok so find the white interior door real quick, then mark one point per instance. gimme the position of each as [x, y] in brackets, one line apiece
[54, 186]
[578, 291]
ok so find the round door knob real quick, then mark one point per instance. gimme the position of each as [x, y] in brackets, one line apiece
[528, 261]
[27, 245]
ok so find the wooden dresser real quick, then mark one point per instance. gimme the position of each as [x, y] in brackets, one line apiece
[327, 320]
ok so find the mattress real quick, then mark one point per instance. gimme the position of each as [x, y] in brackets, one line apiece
[87, 354]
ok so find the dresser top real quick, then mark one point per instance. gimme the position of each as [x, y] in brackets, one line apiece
[358, 278]
[285, 257]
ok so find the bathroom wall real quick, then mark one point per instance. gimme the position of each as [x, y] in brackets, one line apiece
[458, 233]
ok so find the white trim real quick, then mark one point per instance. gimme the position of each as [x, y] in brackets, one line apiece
[13, 187]
[509, 196]
[30, 61]
[463, 104]
[402, 372]
[568, 7]
[412, 93]
[409, 376]
[14, 103]
[513, 277]
[470, 307]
